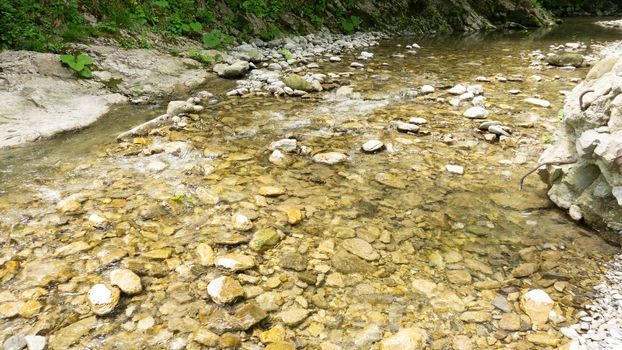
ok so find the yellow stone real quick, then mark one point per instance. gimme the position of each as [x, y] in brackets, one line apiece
[281, 346]
[543, 339]
[271, 191]
[294, 215]
[273, 282]
[315, 329]
[274, 334]
[158, 254]
[140, 141]
[30, 309]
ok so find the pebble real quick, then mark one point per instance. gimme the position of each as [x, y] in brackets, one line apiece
[206, 254]
[537, 304]
[417, 120]
[126, 280]
[242, 223]
[538, 102]
[206, 337]
[285, 145]
[361, 249]
[407, 127]
[455, 169]
[15, 342]
[224, 290]
[427, 89]
[373, 146]
[405, 339]
[476, 90]
[103, 298]
[476, 113]
[10, 309]
[264, 239]
[510, 322]
[293, 316]
[145, 323]
[330, 158]
[271, 191]
[501, 303]
[459, 277]
[457, 90]
[478, 101]
[524, 270]
[278, 158]
[235, 262]
[35, 342]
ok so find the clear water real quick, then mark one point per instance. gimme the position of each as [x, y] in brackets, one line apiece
[427, 226]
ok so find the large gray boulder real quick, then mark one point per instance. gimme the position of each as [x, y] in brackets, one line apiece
[232, 71]
[591, 188]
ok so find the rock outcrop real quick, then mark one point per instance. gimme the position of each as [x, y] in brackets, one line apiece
[41, 98]
[417, 16]
[591, 188]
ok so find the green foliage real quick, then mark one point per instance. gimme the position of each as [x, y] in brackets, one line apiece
[350, 25]
[182, 199]
[216, 39]
[47, 25]
[137, 91]
[79, 64]
[269, 33]
[40, 25]
[563, 7]
[198, 56]
[286, 54]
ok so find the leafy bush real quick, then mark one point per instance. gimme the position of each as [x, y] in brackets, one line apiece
[350, 25]
[39, 25]
[269, 33]
[216, 39]
[79, 64]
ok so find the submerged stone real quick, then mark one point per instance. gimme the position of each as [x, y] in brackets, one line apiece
[537, 304]
[224, 290]
[330, 158]
[406, 339]
[264, 239]
[103, 298]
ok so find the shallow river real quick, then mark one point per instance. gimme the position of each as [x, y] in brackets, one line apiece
[349, 253]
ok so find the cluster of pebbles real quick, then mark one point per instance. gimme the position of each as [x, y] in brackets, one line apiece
[217, 230]
[601, 324]
[287, 66]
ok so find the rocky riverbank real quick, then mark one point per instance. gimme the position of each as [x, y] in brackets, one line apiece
[42, 98]
[591, 139]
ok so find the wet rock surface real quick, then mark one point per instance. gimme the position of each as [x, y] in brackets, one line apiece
[381, 250]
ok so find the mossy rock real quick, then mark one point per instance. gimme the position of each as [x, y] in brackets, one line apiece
[264, 239]
[565, 60]
[296, 82]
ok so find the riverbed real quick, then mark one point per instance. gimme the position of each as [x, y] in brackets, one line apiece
[430, 231]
